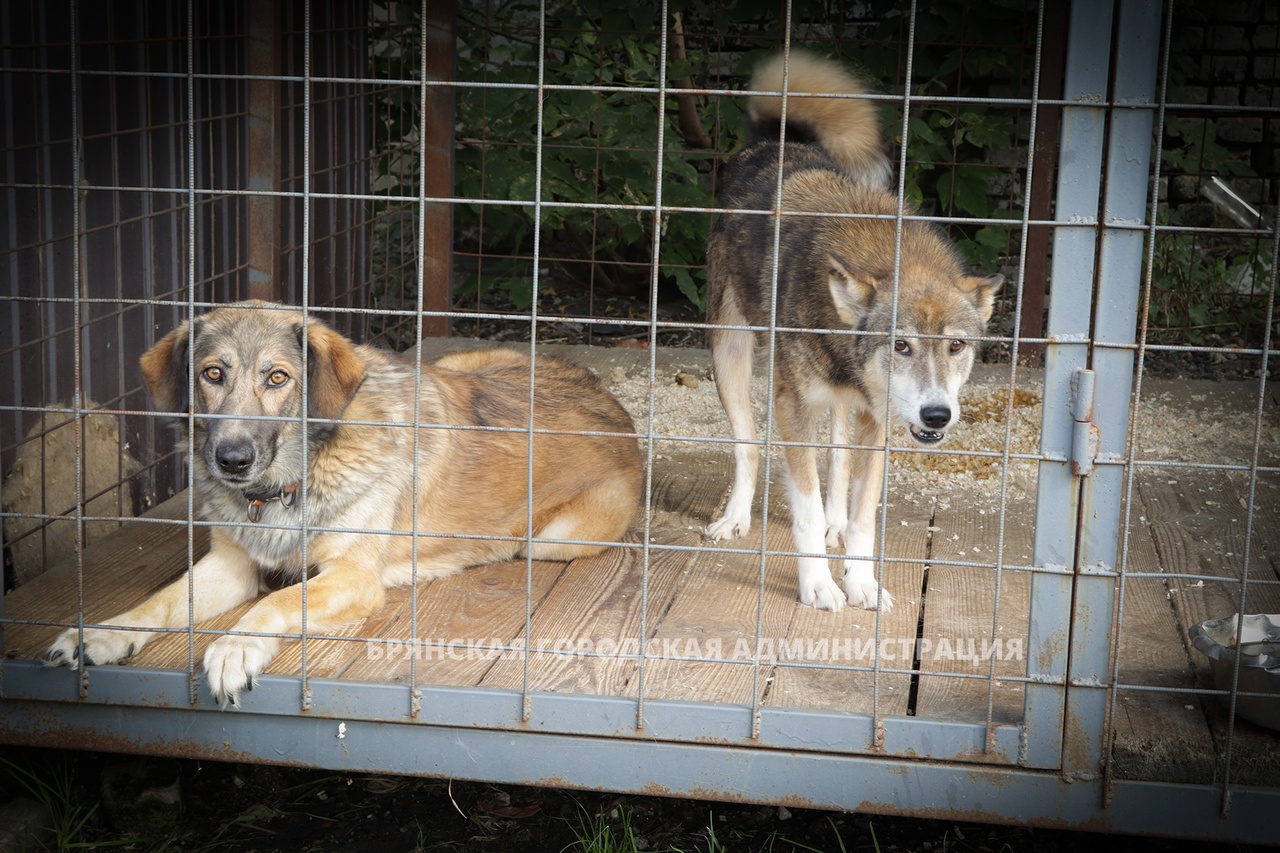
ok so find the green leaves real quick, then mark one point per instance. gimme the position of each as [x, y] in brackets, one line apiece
[598, 148]
[1191, 145]
[965, 189]
[1205, 284]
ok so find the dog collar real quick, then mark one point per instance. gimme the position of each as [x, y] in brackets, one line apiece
[287, 497]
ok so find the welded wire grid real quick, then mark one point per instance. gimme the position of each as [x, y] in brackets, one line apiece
[541, 144]
[295, 198]
[352, 202]
[1236, 230]
[120, 149]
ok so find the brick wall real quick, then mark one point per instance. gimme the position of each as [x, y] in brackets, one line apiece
[1226, 55]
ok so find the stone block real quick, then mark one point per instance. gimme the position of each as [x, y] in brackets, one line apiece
[1241, 11]
[1229, 69]
[1239, 129]
[1260, 96]
[1188, 38]
[1225, 96]
[1188, 95]
[1229, 39]
[1183, 188]
[1197, 215]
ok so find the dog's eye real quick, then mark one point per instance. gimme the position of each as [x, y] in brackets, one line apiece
[902, 347]
[957, 346]
[277, 378]
[213, 373]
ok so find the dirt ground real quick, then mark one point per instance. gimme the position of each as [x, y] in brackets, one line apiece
[241, 807]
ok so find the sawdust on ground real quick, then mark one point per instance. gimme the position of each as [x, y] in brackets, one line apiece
[995, 448]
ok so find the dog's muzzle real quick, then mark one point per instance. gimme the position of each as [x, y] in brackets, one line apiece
[238, 458]
[926, 436]
[936, 419]
[234, 459]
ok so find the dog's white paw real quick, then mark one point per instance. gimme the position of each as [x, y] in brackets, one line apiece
[835, 534]
[101, 646]
[729, 527]
[232, 665]
[824, 594]
[861, 588]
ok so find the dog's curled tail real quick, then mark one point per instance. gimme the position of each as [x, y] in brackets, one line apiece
[847, 129]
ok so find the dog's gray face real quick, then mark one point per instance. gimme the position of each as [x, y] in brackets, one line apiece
[248, 376]
[927, 376]
[928, 348]
[930, 356]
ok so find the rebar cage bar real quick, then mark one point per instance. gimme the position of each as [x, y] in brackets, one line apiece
[541, 178]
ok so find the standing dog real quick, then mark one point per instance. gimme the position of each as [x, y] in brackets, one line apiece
[837, 275]
[358, 475]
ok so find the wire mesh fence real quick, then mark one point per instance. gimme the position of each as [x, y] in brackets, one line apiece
[549, 178]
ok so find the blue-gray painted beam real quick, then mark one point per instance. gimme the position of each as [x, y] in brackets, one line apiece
[1075, 237]
[874, 784]
[1125, 202]
[555, 713]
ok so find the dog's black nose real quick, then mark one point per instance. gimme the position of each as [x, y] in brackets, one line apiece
[935, 417]
[234, 458]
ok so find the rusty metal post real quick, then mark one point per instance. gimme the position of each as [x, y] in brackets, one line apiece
[265, 278]
[436, 133]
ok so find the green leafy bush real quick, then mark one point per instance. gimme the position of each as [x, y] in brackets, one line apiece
[1210, 282]
[599, 147]
[599, 143]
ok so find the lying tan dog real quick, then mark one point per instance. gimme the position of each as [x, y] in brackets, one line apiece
[249, 472]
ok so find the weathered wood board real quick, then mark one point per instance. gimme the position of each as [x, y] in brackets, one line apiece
[719, 622]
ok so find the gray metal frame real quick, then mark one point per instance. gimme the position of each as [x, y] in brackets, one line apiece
[457, 744]
[1049, 770]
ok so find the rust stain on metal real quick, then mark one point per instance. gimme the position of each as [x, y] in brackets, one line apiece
[1052, 649]
[50, 732]
[702, 792]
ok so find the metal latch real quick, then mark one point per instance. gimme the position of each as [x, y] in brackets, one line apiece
[1084, 433]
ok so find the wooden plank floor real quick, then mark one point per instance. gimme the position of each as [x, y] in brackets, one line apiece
[701, 612]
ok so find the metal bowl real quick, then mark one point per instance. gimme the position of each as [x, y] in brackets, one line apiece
[1258, 638]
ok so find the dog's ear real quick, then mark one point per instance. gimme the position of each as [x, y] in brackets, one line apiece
[334, 373]
[164, 369]
[852, 290]
[983, 290]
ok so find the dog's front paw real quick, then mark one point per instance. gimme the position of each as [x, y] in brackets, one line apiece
[729, 527]
[101, 646]
[232, 665]
[823, 593]
[861, 588]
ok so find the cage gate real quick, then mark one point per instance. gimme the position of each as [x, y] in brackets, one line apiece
[1037, 669]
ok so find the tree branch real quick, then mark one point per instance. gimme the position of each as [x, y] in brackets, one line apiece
[690, 123]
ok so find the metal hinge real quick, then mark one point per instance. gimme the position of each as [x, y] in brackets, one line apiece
[1084, 433]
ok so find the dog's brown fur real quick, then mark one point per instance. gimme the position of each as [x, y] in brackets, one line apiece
[247, 361]
[899, 285]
